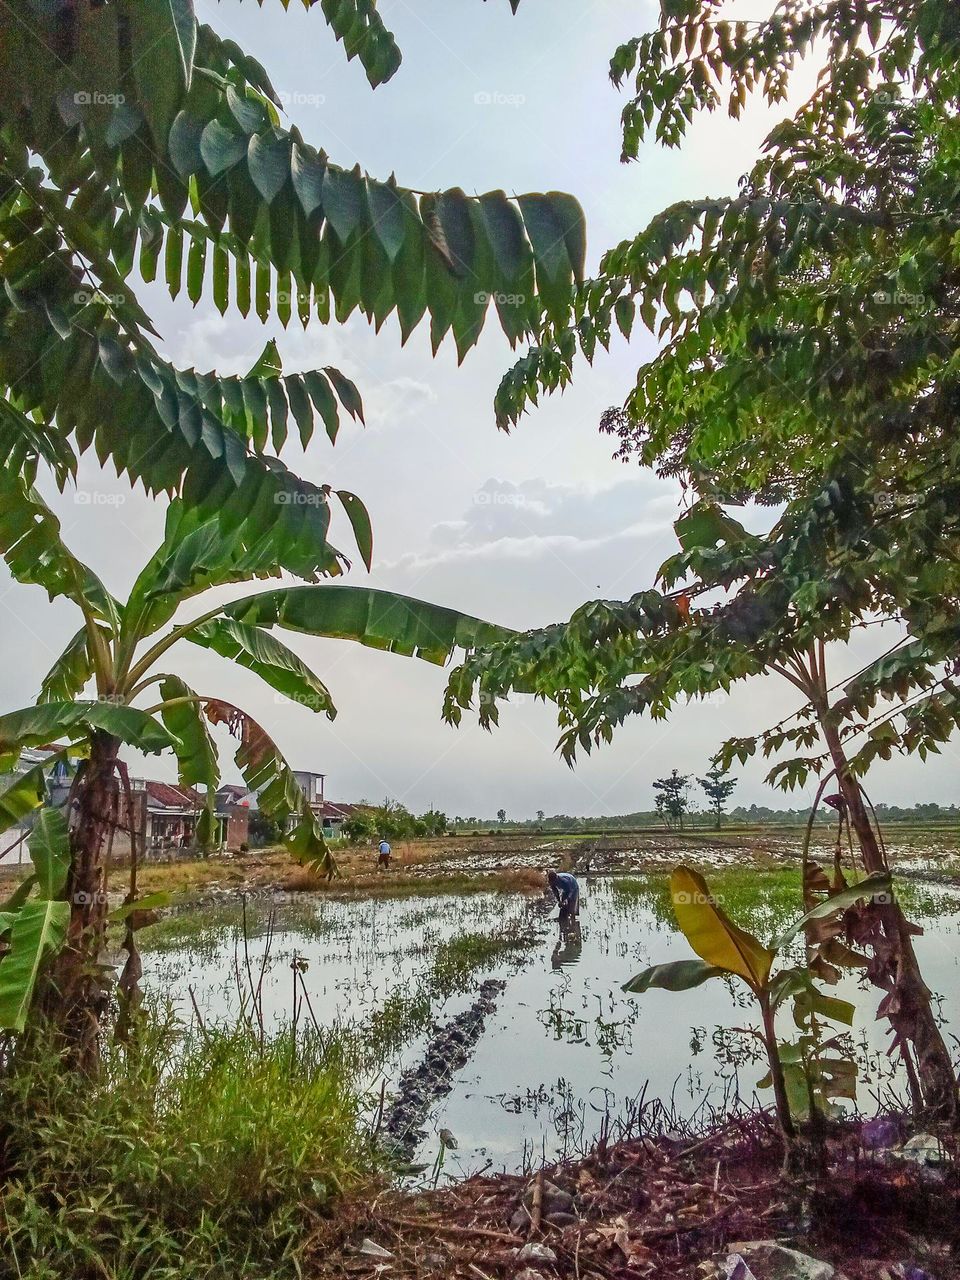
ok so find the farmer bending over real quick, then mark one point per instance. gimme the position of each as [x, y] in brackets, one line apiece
[567, 893]
[383, 857]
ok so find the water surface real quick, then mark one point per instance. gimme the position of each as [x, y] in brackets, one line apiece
[566, 1050]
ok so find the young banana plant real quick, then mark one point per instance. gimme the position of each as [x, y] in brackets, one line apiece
[137, 699]
[726, 950]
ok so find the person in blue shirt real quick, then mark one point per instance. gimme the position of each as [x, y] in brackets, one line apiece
[566, 890]
[383, 856]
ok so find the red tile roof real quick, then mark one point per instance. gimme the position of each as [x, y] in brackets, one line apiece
[174, 797]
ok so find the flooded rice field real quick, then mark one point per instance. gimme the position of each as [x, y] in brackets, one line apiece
[554, 1051]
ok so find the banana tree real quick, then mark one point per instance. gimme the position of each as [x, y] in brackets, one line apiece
[800, 1073]
[121, 653]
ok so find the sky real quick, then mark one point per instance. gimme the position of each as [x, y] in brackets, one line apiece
[521, 528]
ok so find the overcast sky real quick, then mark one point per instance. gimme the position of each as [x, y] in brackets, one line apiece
[520, 529]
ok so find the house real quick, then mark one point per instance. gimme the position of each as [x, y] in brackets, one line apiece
[311, 784]
[165, 817]
[58, 774]
[333, 816]
[236, 794]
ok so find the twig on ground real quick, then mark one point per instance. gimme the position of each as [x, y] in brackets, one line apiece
[536, 1206]
[450, 1228]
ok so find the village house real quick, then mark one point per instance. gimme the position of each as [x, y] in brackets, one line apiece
[165, 817]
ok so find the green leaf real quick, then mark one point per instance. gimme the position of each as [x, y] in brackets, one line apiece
[677, 975]
[221, 148]
[378, 619]
[34, 726]
[268, 157]
[877, 885]
[360, 523]
[185, 28]
[49, 845]
[197, 762]
[25, 793]
[268, 658]
[347, 391]
[279, 795]
[269, 364]
[150, 902]
[39, 929]
[322, 397]
[31, 545]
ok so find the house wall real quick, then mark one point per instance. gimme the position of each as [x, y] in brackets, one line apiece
[237, 828]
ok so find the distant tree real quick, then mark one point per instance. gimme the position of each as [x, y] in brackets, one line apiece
[719, 787]
[540, 815]
[359, 828]
[672, 800]
[435, 822]
[263, 830]
[501, 816]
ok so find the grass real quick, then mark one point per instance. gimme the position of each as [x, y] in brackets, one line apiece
[765, 901]
[203, 930]
[204, 1156]
[456, 963]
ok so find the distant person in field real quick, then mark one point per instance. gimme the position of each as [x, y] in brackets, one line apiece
[566, 890]
[383, 857]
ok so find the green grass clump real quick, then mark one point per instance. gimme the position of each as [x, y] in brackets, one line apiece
[454, 970]
[200, 1156]
[765, 901]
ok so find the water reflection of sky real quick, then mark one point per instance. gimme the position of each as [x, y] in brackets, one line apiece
[565, 1044]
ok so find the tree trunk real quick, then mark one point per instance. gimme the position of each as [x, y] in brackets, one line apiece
[895, 968]
[76, 994]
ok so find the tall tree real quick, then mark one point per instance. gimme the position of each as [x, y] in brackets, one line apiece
[132, 135]
[718, 787]
[121, 649]
[809, 329]
[673, 798]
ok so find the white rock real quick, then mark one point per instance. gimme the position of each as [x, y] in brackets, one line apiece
[922, 1149]
[767, 1260]
[534, 1252]
[371, 1249]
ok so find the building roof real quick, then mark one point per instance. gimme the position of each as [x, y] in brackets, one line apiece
[169, 796]
[342, 810]
[233, 789]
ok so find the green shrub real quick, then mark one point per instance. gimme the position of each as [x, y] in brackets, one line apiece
[198, 1156]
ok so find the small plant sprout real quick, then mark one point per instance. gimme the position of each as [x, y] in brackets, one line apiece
[800, 1074]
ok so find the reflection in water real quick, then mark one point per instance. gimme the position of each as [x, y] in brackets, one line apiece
[565, 1045]
[569, 946]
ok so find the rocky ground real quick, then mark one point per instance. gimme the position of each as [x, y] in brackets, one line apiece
[716, 1207]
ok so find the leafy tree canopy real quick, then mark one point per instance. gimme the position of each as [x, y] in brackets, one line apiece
[135, 138]
[809, 359]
